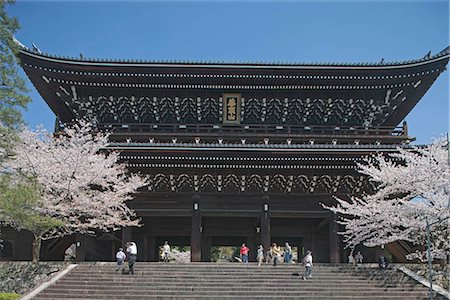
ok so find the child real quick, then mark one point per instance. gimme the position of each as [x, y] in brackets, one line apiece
[120, 256]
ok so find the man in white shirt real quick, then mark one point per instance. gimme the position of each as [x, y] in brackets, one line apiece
[132, 254]
[166, 251]
[308, 263]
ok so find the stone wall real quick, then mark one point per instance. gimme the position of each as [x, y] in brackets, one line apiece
[21, 277]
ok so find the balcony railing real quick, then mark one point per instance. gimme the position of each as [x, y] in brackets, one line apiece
[257, 129]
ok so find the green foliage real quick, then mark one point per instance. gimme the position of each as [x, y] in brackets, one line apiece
[182, 248]
[7, 139]
[224, 252]
[13, 91]
[9, 296]
[19, 206]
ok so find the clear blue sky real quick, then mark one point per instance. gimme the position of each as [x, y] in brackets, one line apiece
[316, 31]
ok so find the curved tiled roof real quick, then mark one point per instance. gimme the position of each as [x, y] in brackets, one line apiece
[131, 91]
[189, 63]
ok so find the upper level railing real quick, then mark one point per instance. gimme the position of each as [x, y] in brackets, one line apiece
[257, 129]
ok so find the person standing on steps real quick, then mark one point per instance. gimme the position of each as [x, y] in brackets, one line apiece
[276, 253]
[120, 257]
[308, 263]
[132, 256]
[244, 253]
[351, 259]
[359, 258]
[383, 262]
[287, 253]
[166, 251]
[260, 255]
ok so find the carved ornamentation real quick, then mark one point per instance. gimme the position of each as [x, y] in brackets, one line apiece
[256, 183]
[209, 110]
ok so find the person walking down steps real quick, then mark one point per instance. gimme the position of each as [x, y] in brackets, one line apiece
[260, 255]
[308, 263]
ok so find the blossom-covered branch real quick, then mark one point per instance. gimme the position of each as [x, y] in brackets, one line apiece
[413, 187]
[78, 182]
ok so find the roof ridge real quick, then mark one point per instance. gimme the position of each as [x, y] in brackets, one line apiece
[37, 51]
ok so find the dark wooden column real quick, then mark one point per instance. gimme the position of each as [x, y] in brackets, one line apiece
[251, 243]
[151, 252]
[313, 239]
[145, 250]
[196, 231]
[206, 248]
[126, 237]
[308, 242]
[334, 239]
[80, 242]
[265, 224]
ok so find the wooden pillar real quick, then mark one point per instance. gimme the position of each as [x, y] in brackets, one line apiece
[265, 224]
[145, 250]
[334, 239]
[196, 232]
[151, 252]
[126, 237]
[206, 248]
[299, 252]
[312, 240]
[251, 244]
[80, 243]
[307, 242]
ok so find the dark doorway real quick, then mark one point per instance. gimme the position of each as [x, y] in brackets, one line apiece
[296, 244]
[6, 250]
[180, 247]
[226, 248]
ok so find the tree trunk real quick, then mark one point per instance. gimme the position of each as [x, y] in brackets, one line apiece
[36, 249]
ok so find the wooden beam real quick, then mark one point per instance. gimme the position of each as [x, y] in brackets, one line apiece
[321, 224]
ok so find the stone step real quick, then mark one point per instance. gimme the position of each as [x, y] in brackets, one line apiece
[330, 278]
[260, 269]
[227, 266]
[207, 292]
[257, 273]
[230, 271]
[310, 281]
[168, 289]
[216, 281]
[270, 281]
[188, 297]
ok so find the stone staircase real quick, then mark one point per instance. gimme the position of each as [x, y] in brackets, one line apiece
[233, 280]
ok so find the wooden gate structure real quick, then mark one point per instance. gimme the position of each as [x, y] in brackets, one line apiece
[236, 152]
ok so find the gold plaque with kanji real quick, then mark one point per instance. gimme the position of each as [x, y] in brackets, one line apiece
[231, 108]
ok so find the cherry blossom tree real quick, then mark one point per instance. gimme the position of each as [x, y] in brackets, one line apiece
[81, 187]
[413, 187]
